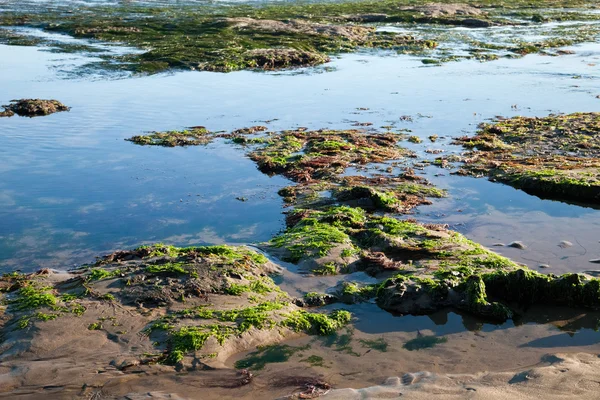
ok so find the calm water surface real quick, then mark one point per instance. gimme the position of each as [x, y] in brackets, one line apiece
[72, 188]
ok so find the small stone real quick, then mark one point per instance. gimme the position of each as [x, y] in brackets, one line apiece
[564, 244]
[543, 266]
[595, 260]
[499, 244]
[517, 245]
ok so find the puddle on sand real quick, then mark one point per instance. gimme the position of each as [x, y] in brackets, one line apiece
[379, 345]
[559, 237]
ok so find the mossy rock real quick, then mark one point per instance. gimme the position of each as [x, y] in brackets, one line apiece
[553, 157]
[33, 108]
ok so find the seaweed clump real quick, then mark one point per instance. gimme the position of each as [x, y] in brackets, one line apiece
[194, 136]
[32, 108]
[274, 59]
[554, 156]
[200, 301]
[303, 155]
[278, 36]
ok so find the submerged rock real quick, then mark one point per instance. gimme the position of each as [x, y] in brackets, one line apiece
[33, 108]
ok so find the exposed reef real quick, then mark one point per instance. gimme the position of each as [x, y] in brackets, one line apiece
[161, 307]
[554, 156]
[343, 223]
[281, 36]
[196, 303]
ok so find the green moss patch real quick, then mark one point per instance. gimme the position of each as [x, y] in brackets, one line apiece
[554, 156]
[191, 137]
[33, 108]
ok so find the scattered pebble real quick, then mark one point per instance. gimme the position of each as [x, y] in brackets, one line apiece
[543, 266]
[499, 244]
[564, 244]
[517, 245]
[595, 260]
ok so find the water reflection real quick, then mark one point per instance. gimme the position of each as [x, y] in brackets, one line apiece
[71, 188]
[575, 324]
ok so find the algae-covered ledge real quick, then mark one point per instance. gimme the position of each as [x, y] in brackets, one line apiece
[554, 156]
[192, 303]
[280, 36]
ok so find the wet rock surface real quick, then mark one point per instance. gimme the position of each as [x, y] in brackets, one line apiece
[554, 156]
[230, 38]
[274, 59]
[32, 108]
[180, 305]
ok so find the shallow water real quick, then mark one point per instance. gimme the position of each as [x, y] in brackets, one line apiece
[72, 188]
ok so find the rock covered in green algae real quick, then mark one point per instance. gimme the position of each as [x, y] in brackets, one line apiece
[303, 155]
[333, 229]
[274, 59]
[206, 301]
[32, 108]
[436, 268]
[554, 156]
[194, 136]
[236, 37]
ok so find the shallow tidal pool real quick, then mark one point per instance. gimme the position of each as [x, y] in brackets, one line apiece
[71, 187]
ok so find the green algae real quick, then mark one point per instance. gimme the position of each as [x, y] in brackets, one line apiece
[97, 274]
[258, 286]
[166, 268]
[351, 292]
[96, 326]
[31, 297]
[316, 323]
[194, 136]
[224, 253]
[554, 156]
[309, 239]
[185, 339]
[304, 156]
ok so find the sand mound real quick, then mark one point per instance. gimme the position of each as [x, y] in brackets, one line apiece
[557, 377]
